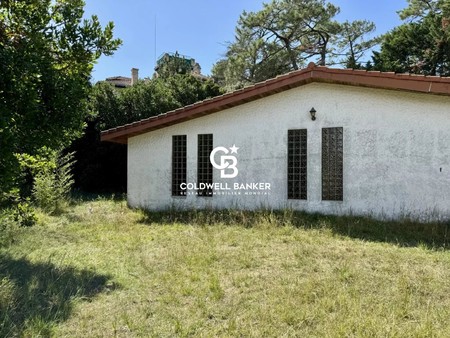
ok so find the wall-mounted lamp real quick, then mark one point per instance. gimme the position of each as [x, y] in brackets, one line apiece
[313, 114]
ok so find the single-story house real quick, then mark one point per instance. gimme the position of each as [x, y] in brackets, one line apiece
[334, 141]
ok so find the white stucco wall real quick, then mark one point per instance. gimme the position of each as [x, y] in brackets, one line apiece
[396, 152]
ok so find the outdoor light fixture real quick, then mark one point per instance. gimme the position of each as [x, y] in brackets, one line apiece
[313, 114]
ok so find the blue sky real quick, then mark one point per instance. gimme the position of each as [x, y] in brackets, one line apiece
[197, 28]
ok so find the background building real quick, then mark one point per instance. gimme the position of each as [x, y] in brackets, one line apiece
[122, 81]
[175, 63]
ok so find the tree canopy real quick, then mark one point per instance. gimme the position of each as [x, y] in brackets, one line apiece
[47, 52]
[422, 44]
[287, 34]
[101, 166]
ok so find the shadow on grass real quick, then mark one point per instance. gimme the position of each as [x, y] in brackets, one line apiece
[36, 296]
[405, 233]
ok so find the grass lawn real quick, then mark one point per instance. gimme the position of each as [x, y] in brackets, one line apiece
[103, 270]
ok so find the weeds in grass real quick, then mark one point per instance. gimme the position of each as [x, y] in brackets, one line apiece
[52, 185]
[34, 297]
[403, 233]
[101, 269]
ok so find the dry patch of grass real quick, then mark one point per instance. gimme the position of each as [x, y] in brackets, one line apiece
[103, 270]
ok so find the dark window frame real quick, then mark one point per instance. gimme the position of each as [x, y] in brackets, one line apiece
[297, 164]
[333, 164]
[204, 166]
[179, 164]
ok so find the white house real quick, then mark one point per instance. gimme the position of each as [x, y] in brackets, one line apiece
[321, 140]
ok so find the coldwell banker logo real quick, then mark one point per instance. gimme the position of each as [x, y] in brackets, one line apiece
[222, 159]
[227, 164]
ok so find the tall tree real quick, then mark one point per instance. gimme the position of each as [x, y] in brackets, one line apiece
[301, 28]
[250, 59]
[281, 37]
[352, 43]
[418, 9]
[47, 52]
[422, 44]
[284, 36]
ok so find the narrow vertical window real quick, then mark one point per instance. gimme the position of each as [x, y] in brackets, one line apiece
[204, 166]
[297, 164]
[178, 164]
[332, 164]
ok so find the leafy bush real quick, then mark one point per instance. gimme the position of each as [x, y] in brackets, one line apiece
[11, 219]
[52, 185]
[24, 215]
[14, 212]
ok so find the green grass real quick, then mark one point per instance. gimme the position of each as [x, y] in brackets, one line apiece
[103, 270]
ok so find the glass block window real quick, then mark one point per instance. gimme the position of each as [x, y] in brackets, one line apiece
[204, 166]
[178, 164]
[332, 164]
[297, 159]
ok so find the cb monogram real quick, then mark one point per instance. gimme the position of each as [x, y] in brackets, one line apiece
[227, 162]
